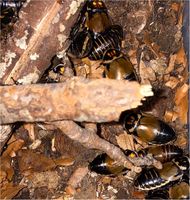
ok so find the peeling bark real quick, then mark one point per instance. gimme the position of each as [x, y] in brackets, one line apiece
[36, 39]
[77, 99]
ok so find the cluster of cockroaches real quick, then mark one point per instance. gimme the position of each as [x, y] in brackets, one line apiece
[96, 37]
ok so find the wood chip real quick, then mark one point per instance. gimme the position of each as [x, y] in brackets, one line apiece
[173, 82]
[181, 57]
[181, 93]
[170, 67]
[170, 116]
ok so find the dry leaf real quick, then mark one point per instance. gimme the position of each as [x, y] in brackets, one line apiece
[183, 109]
[181, 57]
[9, 191]
[13, 147]
[125, 141]
[32, 162]
[63, 161]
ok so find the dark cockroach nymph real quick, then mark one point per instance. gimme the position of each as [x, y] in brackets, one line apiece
[170, 174]
[163, 153]
[148, 128]
[104, 165]
[158, 194]
[119, 67]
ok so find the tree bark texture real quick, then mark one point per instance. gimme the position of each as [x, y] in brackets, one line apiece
[40, 33]
[77, 99]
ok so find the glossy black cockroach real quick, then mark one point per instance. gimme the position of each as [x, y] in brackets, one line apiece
[93, 17]
[163, 153]
[11, 4]
[118, 66]
[85, 45]
[152, 178]
[110, 39]
[104, 165]
[148, 128]
[9, 13]
[158, 194]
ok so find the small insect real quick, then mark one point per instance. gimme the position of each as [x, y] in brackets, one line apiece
[158, 194]
[152, 178]
[104, 165]
[148, 128]
[119, 67]
[163, 153]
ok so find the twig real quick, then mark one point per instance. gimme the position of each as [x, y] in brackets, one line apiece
[78, 99]
[87, 136]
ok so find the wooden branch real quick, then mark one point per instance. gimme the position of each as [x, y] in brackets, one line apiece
[77, 99]
[87, 136]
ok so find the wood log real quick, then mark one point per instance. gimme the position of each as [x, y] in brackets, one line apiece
[78, 99]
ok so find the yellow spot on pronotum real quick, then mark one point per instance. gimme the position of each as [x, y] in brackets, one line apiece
[62, 69]
[132, 155]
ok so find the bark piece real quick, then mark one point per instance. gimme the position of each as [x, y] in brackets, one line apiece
[78, 99]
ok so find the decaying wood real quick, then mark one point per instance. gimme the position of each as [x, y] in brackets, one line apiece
[37, 38]
[39, 34]
[78, 99]
[87, 136]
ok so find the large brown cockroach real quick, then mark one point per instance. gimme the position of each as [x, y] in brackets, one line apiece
[93, 17]
[148, 128]
[119, 67]
[104, 165]
[163, 153]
